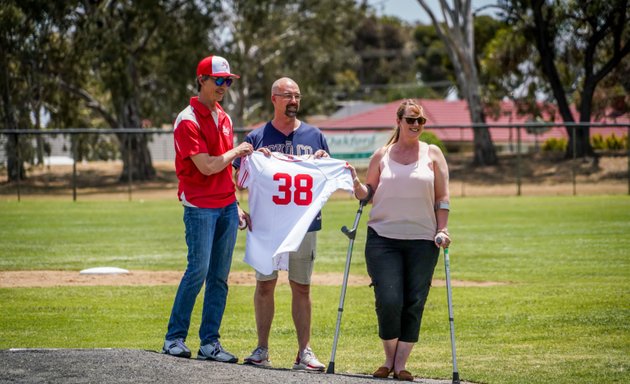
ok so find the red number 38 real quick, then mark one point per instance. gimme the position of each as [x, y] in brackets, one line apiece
[303, 189]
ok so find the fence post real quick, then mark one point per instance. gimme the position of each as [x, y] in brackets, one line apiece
[573, 171]
[74, 168]
[461, 140]
[518, 161]
[19, 166]
[129, 165]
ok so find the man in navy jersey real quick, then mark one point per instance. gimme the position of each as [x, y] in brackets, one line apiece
[285, 133]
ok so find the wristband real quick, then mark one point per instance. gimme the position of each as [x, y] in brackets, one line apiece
[443, 205]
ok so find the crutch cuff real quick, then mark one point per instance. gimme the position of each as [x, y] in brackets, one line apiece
[369, 195]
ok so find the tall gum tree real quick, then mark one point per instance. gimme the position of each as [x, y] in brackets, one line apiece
[29, 49]
[579, 45]
[457, 33]
[309, 41]
[139, 60]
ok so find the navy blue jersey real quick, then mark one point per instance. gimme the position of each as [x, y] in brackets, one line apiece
[305, 140]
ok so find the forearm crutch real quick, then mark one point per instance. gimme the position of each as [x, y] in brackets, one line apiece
[447, 269]
[351, 233]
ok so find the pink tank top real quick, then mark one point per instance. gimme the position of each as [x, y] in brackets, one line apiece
[403, 205]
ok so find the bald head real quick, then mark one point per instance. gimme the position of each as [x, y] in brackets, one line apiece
[283, 83]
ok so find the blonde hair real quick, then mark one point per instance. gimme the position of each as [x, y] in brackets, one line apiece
[400, 112]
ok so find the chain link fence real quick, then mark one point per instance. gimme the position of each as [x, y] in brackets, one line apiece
[85, 162]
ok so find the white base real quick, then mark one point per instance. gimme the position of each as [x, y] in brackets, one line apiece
[103, 271]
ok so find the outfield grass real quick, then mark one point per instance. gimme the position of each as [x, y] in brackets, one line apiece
[561, 316]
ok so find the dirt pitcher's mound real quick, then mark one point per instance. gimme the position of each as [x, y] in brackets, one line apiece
[105, 366]
[15, 279]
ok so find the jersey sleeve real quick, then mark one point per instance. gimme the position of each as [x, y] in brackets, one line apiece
[337, 172]
[244, 172]
[188, 141]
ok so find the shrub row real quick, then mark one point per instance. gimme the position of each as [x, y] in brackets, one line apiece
[598, 142]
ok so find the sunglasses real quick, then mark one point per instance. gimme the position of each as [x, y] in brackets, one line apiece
[410, 120]
[219, 81]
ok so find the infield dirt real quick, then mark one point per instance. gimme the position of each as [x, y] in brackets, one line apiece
[15, 279]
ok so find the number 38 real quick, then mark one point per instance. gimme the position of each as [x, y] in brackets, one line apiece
[303, 189]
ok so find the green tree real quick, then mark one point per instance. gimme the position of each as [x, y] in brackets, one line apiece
[31, 47]
[13, 91]
[307, 40]
[113, 64]
[432, 62]
[140, 56]
[387, 51]
[456, 32]
[432, 59]
[578, 44]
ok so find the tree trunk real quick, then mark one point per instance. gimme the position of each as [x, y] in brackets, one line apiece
[611, 25]
[583, 135]
[547, 57]
[135, 156]
[15, 162]
[15, 165]
[134, 148]
[485, 153]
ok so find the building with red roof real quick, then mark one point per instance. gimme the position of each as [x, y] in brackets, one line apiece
[450, 121]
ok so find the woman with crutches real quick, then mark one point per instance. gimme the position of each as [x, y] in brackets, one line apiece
[406, 229]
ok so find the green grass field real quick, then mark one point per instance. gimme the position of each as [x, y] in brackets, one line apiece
[561, 316]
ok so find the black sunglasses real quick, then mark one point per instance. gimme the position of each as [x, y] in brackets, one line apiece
[410, 120]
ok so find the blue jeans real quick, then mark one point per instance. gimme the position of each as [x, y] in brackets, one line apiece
[210, 237]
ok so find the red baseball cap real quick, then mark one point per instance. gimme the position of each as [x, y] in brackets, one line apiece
[215, 66]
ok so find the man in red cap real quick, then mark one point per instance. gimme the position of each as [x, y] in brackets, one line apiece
[204, 151]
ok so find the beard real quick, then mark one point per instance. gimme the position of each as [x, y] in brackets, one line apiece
[291, 110]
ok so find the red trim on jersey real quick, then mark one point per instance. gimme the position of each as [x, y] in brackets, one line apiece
[290, 158]
[244, 175]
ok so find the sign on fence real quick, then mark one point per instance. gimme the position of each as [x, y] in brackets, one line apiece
[356, 147]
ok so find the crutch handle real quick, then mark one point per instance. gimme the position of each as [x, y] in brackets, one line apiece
[350, 233]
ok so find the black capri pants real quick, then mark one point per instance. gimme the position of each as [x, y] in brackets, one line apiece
[401, 273]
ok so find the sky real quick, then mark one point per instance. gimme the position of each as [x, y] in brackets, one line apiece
[410, 10]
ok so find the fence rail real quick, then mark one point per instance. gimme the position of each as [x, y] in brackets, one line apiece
[161, 145]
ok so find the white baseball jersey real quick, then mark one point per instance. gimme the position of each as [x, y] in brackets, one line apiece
[285, 194]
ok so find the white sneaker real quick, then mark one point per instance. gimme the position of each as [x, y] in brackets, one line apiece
[214, 351]
[259, 357]
[307, 361]
[176, 348]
